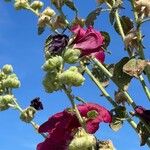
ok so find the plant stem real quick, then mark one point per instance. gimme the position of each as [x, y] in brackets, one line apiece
[71, 98]
[35, 126]
[146, 89]
[108, 97]
[100, 87]
[140, 50]
[129, 99]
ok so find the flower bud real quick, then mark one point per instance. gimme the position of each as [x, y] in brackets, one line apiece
[2, 75]
[11, 82]
[27, 115]
[83, 141]
[4, 101]
[49, 12]
[53, 63]
[43, 20]
[51, 82]
[71, 78]
[21, 4]
[72, 55]
[36, 5]
[7, 69]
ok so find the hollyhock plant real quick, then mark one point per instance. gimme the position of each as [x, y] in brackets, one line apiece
[62, 126]
[88, 41]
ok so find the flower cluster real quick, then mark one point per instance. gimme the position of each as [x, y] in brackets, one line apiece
[62, 126]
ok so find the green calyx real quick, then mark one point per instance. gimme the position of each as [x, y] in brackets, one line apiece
[11, 81]
[36, 5]
[71, 77]
[28, 114]
[53, 63]
[71, 55]
[5, 101]
[83, 141]
[51, 82]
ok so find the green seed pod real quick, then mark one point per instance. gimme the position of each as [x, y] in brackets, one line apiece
[7, 69]
[53, 63]
[37, 5]
[71, 78]
[28, 114]
[2, 75]
[51, 82]
[4, 101]
[49, 12]
[21, 4]
[83, 141]
[71, 56]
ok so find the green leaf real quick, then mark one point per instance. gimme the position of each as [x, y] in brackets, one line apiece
[134, 67]
[100, 75]
[112, 16]
[127, 24]
[92, 17]
[71, 5]
[144, 135]
[116, 124]
[41, 30]
[106, 38]
[119, 77]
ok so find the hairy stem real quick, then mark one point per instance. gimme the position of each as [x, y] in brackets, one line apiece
[140, 49]
[113, 103]
[71, 98]
[35, 126]
[146, 89]
[129, 99]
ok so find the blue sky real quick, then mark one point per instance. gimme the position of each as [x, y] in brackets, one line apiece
[23, 48]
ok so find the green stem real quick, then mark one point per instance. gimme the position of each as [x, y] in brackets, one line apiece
[100, 87]
[35, 126]
[146, 89]
[140, 50]
[108, 97]
[71, 98]
[129, 99]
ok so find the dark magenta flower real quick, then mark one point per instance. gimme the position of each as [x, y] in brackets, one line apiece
[62, 126]
[143, 113]
[36, 103]
[55, 44]
[88, 41]
[102, 115]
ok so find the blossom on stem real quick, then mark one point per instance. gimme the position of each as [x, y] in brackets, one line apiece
[62, 126]
[88, 41]
[55, 44]
[143, 113]
[37, 104]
